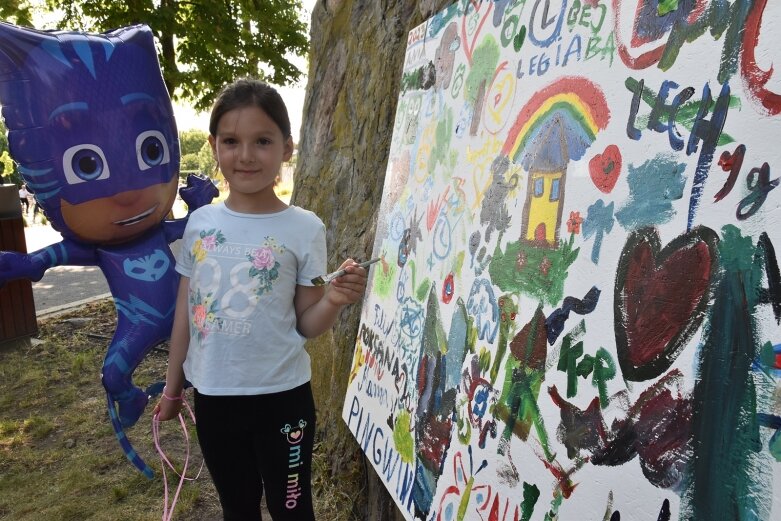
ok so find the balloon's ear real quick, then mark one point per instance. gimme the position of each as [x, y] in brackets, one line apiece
[36, 66]
[16, 43]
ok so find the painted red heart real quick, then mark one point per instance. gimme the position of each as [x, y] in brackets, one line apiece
[660, 298]
[605, 168]
[295, 434]
[469, 45]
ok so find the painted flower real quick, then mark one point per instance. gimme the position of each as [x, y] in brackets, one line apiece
[574, 222]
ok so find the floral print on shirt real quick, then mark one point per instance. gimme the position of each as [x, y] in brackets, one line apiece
[202, 311]
[265, 266]
[207, 243]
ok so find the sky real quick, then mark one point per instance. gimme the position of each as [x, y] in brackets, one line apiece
[188, 119]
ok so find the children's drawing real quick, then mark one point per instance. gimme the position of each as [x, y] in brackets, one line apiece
[577, 311]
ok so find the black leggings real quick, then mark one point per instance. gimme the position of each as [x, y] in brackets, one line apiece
[252, 443]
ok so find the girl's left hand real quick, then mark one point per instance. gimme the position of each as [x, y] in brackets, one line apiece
[348, 288]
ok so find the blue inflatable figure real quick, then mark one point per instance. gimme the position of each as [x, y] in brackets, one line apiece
[91, 126]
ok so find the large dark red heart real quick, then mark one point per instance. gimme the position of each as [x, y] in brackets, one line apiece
[605, 168]
[660, 298]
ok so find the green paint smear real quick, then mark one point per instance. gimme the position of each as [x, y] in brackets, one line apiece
[553, 513]
[517, 405]
[767, 358]
[383, 285]
[433, 338]
[440, 153]
[666, 7]
[402, 437]
[484, 62]
[509, 307]
[423, 290]
[530, 496]
[465, 499]
[528, 277]
[686, 113]
[484, 358]
[775, 447]
[725, 479]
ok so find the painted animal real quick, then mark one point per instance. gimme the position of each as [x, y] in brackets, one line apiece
[91, 127]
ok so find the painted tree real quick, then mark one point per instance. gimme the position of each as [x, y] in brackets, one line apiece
[204, 45]
[356, 59]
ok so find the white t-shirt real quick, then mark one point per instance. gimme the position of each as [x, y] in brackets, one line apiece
[243, 271]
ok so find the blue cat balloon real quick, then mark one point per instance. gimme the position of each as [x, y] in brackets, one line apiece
[91, 127]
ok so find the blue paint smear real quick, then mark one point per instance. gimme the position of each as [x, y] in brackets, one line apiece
[653, 186]
[599, 221]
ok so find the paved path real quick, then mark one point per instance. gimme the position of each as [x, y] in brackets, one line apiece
[64, 286]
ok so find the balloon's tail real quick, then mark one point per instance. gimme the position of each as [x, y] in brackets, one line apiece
[124, 442]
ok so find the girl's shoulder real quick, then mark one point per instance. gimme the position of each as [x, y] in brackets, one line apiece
[206, 210]
[303, 215]
[206, 215]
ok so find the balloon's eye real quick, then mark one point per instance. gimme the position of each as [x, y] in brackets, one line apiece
[83, 163]
[151, 150]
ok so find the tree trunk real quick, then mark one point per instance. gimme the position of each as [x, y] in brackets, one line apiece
[356, 59]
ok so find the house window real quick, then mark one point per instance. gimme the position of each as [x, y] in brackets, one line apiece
[539, 187]
[554, 190]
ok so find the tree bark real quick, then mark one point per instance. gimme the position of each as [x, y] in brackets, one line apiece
[356, 59]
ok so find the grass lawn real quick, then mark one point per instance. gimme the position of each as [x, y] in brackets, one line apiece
[59, 458]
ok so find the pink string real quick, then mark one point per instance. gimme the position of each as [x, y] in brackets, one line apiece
[168, 510]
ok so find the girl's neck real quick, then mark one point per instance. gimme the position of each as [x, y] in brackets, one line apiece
[261, 202]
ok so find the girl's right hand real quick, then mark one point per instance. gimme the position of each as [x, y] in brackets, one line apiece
[168, 407]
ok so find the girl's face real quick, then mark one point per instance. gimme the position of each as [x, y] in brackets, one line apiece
[249, 148]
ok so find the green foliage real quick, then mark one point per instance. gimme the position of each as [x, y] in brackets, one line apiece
[16, 12]
[191, 141]
[3, 136]
[8, 173]
[189, 163]
[205, 45]
[206, 162]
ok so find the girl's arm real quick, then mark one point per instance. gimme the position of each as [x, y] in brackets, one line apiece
[317, 307]
[168, 408]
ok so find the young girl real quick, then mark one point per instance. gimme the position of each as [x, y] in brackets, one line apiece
[245, 306]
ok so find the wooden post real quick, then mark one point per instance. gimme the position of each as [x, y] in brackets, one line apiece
[17, 307]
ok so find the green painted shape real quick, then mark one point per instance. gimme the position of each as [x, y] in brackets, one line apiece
[725, 479]
[508, 308]
[530, 496]
[529, 279]
[423, 290]
[666, 7]
[402, 437]
[441, 152]
[465, 499]
[383, 284]
[484, 62]
[686, 113]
